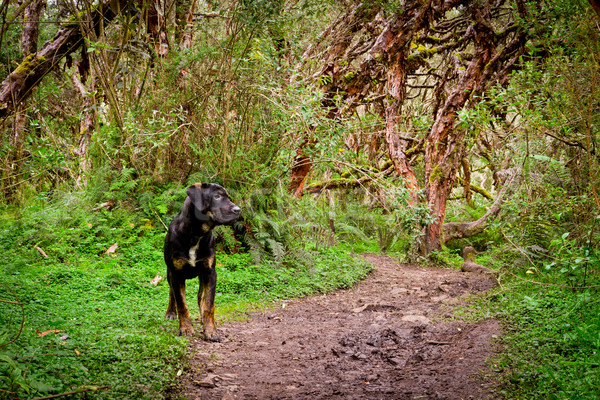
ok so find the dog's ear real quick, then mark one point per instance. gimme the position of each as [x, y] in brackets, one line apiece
[196, 194]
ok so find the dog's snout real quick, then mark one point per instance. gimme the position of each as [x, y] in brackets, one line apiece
[236, 209]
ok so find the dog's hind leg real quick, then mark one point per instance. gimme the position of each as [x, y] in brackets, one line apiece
[178, 293]
[206, 303]
[172, 308]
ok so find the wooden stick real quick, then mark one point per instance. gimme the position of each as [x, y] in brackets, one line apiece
[82, 390]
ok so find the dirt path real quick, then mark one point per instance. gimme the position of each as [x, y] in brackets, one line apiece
[384, 339]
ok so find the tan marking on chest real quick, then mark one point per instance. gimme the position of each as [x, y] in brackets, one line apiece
[179, 263]
[206, 227]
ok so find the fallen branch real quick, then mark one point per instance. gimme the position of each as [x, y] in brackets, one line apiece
[108, 205]
[80, 390]
[11, 302]
[346, 179]
[160, 219]
[519, 248]
[477, 189]
[42, 252]
[210, 15]
[317, 187]
[19, 84]
[459, 230]
[17, 302]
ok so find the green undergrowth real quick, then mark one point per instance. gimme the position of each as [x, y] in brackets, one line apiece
[551, 344]
[550, 310]
[92, 317]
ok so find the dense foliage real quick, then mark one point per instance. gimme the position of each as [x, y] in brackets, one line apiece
[249, 93]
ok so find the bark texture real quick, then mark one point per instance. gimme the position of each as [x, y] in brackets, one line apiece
[31, 25]
[443, 151]
[381, 57]
[460, 230]
[29, 41]
[155, 16]
[185, 23]
[301, 167]
[20, 83]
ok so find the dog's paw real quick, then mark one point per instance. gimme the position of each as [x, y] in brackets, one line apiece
[171, 315]
[211, 336]
[186, 331]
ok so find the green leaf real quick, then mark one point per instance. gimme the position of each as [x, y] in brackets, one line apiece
[7, 359]
[41, 387]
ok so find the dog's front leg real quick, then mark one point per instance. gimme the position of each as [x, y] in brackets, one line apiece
[206, 303]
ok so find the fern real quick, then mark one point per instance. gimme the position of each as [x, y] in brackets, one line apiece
[256, 248]
[351, 231]
[261, 237]
[123, 180]
[277, 250]
[275, 227]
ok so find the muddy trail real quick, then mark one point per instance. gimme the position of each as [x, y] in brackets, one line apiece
[387, 338]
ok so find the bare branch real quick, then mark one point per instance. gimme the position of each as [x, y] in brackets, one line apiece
[20, 83]
[17, 302]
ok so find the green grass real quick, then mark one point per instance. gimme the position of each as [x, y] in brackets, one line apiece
[551, 344]
[550, 348]
[108, 317]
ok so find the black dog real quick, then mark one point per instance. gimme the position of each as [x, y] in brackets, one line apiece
[190, 252]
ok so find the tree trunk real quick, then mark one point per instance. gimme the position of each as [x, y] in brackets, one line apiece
[398, 157]
[29, 40]
[395, 40]
[20, 83]
[467, 181]
[397, 89]
[396, 46]
[31, 24]
[301, 167]
[444, 145]
[185, 23]
[156, 26]
[87, 124]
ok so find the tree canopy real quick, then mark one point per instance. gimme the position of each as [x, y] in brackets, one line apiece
[421, 95]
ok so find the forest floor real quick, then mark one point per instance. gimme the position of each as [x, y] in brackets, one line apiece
[393, 336]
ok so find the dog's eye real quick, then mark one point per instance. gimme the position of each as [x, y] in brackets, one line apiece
[217, 197]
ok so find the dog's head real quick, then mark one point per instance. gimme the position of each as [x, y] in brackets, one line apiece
[212, 204]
